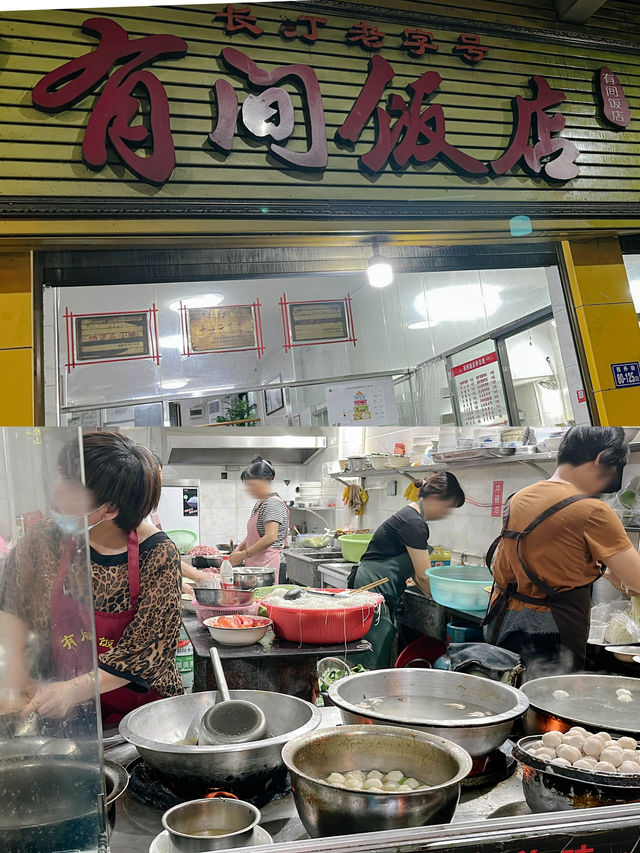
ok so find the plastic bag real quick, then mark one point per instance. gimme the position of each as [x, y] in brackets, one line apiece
[621, 628]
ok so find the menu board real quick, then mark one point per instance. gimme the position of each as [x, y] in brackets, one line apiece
[478, 389]
[103, 337]
[319, 321]
[221, 329]
[369, 403]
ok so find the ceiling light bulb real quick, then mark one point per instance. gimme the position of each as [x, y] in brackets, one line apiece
[379, 271]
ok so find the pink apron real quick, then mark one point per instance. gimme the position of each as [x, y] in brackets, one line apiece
[72, 639]
[269, 559]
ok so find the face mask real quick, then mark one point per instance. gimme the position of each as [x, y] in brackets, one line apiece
[71, 525]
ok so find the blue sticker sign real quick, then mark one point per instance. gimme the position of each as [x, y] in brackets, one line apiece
[627, 374]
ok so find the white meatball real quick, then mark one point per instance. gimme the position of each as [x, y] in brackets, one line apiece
[604, 767]
[629, 767]
[372, 783]
[571, 753]
[375, 790]
[561, 762]
[591, 761]
[625, 697]
[584, 764]
[412, 783]
[628, 743]
[612, 754]
[560, 694]
[546, 754]
[390, 786]
[354, 784]
[336, 779]
[404, 789]
[552, 739]
[355, 774]
[394, 776]
[573, 740]
[374, 774]
[604, 735]
[578, 730]
[593, 746]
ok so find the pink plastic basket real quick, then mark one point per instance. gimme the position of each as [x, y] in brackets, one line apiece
[317, 627]
[203, 612]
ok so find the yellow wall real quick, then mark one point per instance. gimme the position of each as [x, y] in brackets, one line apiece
[16, 340]
[608, 323]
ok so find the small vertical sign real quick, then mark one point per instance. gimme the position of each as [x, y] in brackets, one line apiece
[497, 492]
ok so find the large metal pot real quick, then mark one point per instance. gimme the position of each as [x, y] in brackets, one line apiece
[158, 732]
[327, 810]
[551, 788]
[588, 700]
[425, 699]
[49, 803]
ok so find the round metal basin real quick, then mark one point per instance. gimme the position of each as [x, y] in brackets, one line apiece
[158, 730]
[327, 810]
[433, 701]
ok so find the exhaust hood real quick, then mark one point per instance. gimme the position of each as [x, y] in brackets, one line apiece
[238, 446]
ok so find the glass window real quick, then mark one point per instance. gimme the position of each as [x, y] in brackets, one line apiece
[477, 386]
[538, 376]
[632, 265]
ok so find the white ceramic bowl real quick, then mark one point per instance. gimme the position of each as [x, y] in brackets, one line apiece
[238, 636]
[627, 654]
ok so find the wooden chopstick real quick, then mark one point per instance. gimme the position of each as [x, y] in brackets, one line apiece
[369, 586]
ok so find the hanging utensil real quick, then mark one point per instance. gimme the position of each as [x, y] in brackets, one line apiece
[230, 720]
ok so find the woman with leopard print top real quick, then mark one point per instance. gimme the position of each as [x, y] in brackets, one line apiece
[136, 585]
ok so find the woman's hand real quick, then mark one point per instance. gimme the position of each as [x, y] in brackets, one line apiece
[55, 700]
[237, 557]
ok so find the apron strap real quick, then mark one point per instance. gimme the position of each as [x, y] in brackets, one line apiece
[133, 567]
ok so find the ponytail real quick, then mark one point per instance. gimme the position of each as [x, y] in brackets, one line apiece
[442, 485]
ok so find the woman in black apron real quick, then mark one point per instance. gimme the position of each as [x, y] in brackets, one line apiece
[555, 539]
[399, 551]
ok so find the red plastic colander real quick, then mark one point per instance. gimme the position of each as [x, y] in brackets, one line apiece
[316, 627]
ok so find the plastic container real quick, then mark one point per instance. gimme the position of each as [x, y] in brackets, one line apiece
[463, 633]
[204, 612]
[318, 627]
[597, 632]
[460, 587]
[184, 540]
[353, 546]
[184, 660]
[314, 540]
[440, 557]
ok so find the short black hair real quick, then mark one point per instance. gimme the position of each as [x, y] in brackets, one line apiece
[584, 444]
[259, 469]
[442, 485]
[118, 472]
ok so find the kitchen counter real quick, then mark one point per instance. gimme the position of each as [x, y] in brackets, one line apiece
[271, 664]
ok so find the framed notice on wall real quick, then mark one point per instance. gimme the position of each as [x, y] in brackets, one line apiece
[477, 387]
[368, 403]
[223, 329]
[111, 336]
[101, 337]
[318, 321]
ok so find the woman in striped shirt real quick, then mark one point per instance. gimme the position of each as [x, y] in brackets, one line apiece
[268, 523]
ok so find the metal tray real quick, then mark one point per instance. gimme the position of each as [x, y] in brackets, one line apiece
[473, 453]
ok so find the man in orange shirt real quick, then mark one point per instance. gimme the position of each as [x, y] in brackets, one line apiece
[557, 536]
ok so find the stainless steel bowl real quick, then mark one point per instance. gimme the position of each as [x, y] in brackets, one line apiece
[249, 578]
[222, 597]
[327, 810]
[232, 821]
[158, 732]
[425, 699]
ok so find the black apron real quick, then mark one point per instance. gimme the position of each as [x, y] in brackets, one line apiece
[569, 609]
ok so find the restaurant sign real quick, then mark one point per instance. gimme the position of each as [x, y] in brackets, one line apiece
[408, 130]
[317, 110]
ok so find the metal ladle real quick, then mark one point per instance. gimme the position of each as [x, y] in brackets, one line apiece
[230, 720]
[293, 594]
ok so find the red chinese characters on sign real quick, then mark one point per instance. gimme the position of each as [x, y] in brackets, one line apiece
[497, 495]
[292, 29]
[417, 42]
[271, 114]
[366, 35]
[238, 19]
[554, 156]
[416, 135]
[615, 107]
[118, 104]
[469, 48]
